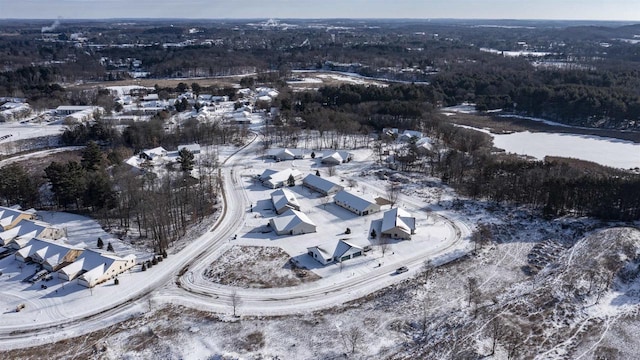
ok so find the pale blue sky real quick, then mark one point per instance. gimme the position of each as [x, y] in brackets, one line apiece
[469, 9]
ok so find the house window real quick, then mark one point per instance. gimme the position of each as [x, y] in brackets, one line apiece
[345, 258]
[357, 254]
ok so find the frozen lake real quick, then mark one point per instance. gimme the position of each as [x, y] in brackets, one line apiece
[605, 151]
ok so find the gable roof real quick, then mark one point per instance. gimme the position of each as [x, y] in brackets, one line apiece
[289, 220]
[282, 198]
[194, 148]
[24, 228]
[345, 248]
[320, 183]
[285, 153]
[8, 215]
[354, 201]
[337, 156]
[326, 255]
[157, 151]
[89, 261]
[398, 218]
[280, 176]
[49, 251]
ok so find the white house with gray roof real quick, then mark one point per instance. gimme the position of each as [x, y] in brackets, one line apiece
[336, 158]
[358, 205]
[284, 200]
[285, 154]
[275, 179]
[343, 251]
[93, 267]
[321, 185]
[292, 222]
[398, 224]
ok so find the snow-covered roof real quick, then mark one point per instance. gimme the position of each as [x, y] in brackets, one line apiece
[194, 148]
[281, 176]
[289, 220]
[8, 215]
[326, 254]
[285, 153]
[155, 152]
[282, 198]
[337, 157]
[345, 248]
[49, 251]
[407, 134]
[425, 143]
[400, 218]
[319, 183]
[354, 201]
[74, 108]
[89, 261]
[23, 228]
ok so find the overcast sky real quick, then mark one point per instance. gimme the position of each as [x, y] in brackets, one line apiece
[469, 9]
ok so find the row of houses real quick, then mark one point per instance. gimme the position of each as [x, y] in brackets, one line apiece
[90, 267]
[42, 243]
[329, 158]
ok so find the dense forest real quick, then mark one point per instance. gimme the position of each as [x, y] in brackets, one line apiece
[463, 158]
[588, 75]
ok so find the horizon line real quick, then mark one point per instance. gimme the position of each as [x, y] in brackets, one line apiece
[321, 18]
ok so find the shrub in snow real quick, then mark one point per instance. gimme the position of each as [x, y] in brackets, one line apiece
[348, 231]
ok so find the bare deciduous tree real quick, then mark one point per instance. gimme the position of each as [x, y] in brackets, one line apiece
[473, 294]
[393, 193]
[352, 338]
[384, 243]
[235, 300]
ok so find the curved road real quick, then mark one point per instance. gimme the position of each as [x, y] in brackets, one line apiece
[175, 279]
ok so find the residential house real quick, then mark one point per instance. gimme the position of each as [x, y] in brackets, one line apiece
[321, 185]
[276, 179]
[337, 158]
[398, 224]
[93, 267]
[409, 134]
[346, 250]
[19, 235]
[11, 217]
[51, 255]
[153, 154]
[292, 222]
[356, 204]
[321, 254]
[193, 148]
[285, 154]
[343, 251]
[284, 200]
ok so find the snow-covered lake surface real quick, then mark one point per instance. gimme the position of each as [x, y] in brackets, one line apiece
[604, 151]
